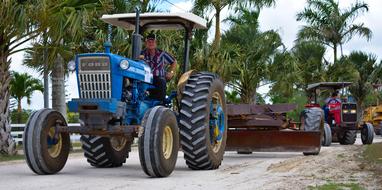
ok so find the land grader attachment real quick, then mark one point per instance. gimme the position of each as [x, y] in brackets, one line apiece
[373, 115]
[265, 128]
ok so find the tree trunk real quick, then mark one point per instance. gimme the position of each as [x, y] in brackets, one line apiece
[19, 105]
[359, 109]
[7, 144]
[248, 97]
[342, 51]
[216, 42]
[58, 86]
[19, 110]
[255, 98]
[46, 73]
[335, 53]
[46, 87]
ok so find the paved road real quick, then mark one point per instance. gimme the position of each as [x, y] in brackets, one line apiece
[237, 172]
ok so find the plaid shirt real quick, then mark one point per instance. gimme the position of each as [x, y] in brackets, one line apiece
[158, 62]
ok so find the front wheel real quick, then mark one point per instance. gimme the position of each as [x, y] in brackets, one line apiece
[378, 131]
[46, 149]
[327, 137]
[367, 133]
[159, 142]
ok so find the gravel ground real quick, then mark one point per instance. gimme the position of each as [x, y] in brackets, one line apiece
[256, 171]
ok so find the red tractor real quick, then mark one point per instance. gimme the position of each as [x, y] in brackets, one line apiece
[341, 121]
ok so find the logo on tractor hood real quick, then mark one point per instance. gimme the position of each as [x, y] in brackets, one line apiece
[94, 64]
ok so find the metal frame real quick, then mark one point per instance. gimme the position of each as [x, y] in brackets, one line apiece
[326, 85]
[125, 130]
[187, 37]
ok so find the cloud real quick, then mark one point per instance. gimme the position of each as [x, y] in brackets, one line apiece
[182, 6]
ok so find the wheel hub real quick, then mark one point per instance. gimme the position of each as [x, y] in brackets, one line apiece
[167, 142]
[217, 124]
[54, 142]
[118, 142]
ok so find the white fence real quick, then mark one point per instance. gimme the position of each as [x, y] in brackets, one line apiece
[17, 132]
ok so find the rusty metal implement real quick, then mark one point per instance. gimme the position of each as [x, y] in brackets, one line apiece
[264, 128]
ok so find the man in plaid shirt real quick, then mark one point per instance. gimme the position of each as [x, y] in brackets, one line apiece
[159, 61]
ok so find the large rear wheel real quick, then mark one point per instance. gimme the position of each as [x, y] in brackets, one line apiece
[347, 137]
[203, 123]
[159, 142]
[105, 152]
[46, 149]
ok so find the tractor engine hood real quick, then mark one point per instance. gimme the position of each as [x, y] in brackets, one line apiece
[137, 70]
[101, 75]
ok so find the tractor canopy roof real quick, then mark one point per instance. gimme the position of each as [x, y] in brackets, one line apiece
[156, 21]
[328, 85]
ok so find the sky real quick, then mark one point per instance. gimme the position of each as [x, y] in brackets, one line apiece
[281, 17]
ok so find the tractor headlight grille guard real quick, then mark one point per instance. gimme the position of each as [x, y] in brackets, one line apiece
[94, 77]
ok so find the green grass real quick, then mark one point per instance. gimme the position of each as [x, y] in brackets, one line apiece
[4, 158]
[337, 186]
[373, 153]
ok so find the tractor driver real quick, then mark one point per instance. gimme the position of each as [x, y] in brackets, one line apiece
[333, 108]
[158, 60]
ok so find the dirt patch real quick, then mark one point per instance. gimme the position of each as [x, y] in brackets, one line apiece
[341, 164]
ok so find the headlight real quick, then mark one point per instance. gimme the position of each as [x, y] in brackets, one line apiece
[124, 64]
[72, 66]
[353, 111]
[345, 111]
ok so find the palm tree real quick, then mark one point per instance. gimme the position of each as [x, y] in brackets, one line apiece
[310, 62]
[202, 6]
[22, 86]
[294, 70]
[330, 25]
[368, 72]
[73, 27]
[250, 51]
[232, 97]
[62, 22]
[284, 74]
[15, 30]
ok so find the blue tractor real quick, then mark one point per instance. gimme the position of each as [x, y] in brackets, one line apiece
[115, 107]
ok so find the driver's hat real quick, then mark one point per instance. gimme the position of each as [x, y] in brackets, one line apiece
[151, 36]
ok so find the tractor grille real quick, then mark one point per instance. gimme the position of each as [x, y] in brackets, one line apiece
[349, 116]
[94, 77]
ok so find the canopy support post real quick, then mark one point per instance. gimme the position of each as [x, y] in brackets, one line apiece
[186, 55]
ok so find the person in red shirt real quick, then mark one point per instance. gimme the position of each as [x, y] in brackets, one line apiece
[334, 105]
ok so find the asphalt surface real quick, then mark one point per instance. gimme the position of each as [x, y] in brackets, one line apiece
[236, 172]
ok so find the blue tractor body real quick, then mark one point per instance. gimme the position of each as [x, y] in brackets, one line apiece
[108, 91]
